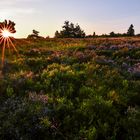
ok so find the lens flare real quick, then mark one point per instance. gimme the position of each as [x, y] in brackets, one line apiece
[7, 31]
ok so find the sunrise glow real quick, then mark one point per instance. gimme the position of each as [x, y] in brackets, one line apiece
[6, 33]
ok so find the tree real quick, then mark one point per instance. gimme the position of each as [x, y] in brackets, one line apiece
[6, 41]
[69, 30]
[10, 25]
[131, 31]
[34, 35]
[112, 34]
[57, 34]
[66, 30]
[94, 34]
[78, 32]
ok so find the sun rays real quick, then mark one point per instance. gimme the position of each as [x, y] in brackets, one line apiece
[6, 33]
[7, 30]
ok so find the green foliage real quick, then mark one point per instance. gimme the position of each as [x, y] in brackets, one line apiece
[71, 89]
[9, 91]
[23, 119]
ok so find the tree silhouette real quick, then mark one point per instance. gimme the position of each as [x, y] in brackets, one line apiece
[10, 25]
[57, 34]
[112, 34]
[94, 34]
[131, 31]
[69, 30]
[34, 35]
[8, 28]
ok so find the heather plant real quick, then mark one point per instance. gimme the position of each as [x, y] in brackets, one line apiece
[72, 89]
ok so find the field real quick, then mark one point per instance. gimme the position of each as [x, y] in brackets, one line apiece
[71, 89]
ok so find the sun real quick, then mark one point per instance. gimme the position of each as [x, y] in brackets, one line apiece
[7, 30]
[6, 33]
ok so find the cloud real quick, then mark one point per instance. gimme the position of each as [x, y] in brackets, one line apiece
[12, 8]
[16, 1]
[6, 13]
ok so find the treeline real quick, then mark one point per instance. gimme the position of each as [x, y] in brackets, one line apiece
[70, 30]
[130, 32]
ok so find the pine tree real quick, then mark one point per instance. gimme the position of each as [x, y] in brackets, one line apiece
[69, 30]
[131, 31]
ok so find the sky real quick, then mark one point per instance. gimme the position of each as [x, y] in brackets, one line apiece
[47, 16]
